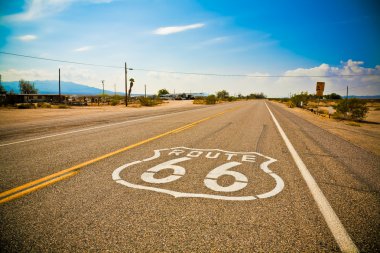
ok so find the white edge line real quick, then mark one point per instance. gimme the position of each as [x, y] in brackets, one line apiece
[93, 128]
[335, 225]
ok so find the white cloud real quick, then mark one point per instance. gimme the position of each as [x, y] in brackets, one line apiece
[176, 29]
[271, 86]
[28, 74]
[27, 37]
[366, 81]
[36, 9]
[83, 49]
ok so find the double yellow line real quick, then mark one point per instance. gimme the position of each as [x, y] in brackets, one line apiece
[66, 173]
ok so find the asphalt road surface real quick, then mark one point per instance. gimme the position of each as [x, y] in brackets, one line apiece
[244, 176]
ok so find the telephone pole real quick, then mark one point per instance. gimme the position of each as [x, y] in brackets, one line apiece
[126, 84]
[59, 85]
[145, 89]
[103, 91]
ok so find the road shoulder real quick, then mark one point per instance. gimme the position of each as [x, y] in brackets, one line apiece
[365, 136]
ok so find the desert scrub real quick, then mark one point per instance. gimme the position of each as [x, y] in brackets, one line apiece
[26, 106]
[43, 105]
[199, 101]
[353, 108]
[210, 100]
[115, 102]
[149, 101]
[63, 106]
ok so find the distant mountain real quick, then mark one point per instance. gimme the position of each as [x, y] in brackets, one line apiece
[365, 97]
[51, 87]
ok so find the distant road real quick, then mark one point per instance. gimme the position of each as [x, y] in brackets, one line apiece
[244, 176]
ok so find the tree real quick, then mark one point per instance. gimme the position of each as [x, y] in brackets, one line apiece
[222, 94]
[2, 89]
[131, 81]
[163, 92]
[300, 100]
[352, 108]
[210, 100]
[256, 96]
[333, 96]
[27, 88]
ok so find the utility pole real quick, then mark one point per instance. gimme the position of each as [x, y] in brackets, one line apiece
[59, 85]
[103, 90]
[347, 99]
[145, 89]
[114, 86]
[126, 84]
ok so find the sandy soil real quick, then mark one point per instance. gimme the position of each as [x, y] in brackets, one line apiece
[10, 116]
[364, 134]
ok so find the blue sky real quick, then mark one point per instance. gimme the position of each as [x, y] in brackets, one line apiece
[227, 37]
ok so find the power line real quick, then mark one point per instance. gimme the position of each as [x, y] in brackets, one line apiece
[184, 73]
[49, 59]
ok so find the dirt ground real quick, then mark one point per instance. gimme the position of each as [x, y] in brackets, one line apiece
[364, 134]
[10, 116]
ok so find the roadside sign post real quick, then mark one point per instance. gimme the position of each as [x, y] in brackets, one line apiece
[59, 85]
[320, 89]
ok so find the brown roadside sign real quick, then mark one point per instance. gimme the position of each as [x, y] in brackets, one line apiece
[320, 88]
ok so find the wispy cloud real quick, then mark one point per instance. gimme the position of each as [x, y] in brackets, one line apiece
[83, 49]
[27, 37]
[176, 29]
[36, 9]
[368, 84]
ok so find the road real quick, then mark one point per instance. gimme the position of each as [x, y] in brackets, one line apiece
[243, 176]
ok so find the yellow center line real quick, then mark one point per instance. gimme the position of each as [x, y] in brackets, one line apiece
[60, 175]
[37, 187]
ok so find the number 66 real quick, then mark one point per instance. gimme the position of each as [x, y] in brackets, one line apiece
[210, 181]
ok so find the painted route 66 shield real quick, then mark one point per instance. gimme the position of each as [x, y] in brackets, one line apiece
[203, 173]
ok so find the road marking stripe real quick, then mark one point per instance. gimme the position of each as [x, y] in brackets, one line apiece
[93, 128]
[16, 190]
[37, 187]
[335, 225]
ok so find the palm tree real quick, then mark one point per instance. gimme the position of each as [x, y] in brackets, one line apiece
[131, 81]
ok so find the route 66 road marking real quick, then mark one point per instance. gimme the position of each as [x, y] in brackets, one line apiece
[227, 162]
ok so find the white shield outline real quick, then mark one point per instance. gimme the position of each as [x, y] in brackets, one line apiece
[157, 153]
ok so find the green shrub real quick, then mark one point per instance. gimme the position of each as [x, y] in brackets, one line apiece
[114, 102]
[148, 101]
[63, 106]
[43, 105]
[199, 101]
[210, 100]
[300, 100]
[352, 108]
[26, 106]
